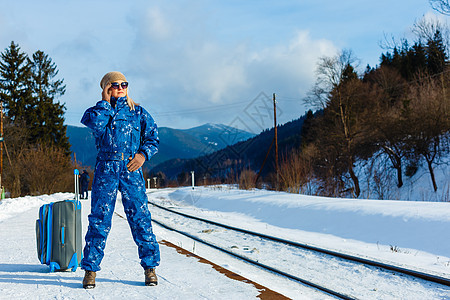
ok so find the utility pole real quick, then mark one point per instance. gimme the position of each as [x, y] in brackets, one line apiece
[276, 139]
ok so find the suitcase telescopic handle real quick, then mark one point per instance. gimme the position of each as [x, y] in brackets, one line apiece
[77, 187]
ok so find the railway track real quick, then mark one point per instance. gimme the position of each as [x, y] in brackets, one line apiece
[365, 267]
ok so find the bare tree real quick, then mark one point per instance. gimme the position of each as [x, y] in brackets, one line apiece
[45, 170]
[429, 119]
[247, 179]
[441, 6]
[296, 170]
[342, 95]
[329, 72]
[425, 29]
[386, 117]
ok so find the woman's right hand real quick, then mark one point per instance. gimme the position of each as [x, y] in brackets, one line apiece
[106, 93]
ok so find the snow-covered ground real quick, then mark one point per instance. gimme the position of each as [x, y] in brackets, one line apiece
[121, 277]
[362, 227]
[411, 234]
[378, 180]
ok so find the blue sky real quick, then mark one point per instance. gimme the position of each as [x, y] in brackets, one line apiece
[194, 62]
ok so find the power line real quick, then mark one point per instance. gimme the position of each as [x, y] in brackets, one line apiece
[186, 111]
[200, 109]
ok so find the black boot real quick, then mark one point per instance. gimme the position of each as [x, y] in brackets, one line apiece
[150, 277]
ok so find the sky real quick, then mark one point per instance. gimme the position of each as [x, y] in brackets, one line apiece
[195, 62]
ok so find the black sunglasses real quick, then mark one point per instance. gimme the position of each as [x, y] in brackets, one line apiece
[115, 85]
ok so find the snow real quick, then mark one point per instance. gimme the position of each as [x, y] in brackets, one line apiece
[13, 206]
[406, 233]
[371, 221]
[418, 187]
[121, 277]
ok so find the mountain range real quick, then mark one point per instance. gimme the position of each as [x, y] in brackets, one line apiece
[174, 143]
[245, 154]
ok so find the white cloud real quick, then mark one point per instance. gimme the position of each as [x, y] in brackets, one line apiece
[189, 69]
[156, 24]
[291, 65]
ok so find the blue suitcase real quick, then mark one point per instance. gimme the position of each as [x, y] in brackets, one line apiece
[58, 233]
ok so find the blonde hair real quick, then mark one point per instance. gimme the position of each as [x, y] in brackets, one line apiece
[131, 102]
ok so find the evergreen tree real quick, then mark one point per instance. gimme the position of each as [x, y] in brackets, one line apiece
[436, 54]
[14, 84]
[47, 125]
[407, 60]
[306, 134]
[28, 89]
[427, 57]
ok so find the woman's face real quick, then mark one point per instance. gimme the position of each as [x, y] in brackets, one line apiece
[120, 91]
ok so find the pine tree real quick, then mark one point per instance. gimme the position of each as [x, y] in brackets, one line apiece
[436, 54]
[427, 57]
[14, 83]
[48, 119]
[28, 89]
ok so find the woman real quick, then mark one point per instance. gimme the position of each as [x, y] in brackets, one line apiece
[126, 136]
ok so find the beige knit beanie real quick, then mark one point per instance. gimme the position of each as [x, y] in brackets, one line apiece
[114, 76]
[111, 77]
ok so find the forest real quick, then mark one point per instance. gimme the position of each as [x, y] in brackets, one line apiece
[399, 109]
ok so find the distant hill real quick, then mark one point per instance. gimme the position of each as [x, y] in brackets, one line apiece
[245, 154]
[174, 143]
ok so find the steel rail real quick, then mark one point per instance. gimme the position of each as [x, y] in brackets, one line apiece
[254, 262]
[429, 277]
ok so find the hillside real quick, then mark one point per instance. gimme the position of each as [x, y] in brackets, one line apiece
[195, 142]
[244, 154]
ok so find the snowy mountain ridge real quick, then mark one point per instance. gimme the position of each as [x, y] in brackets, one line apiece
[195, 141]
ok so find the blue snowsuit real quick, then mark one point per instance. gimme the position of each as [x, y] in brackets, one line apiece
[120, 133]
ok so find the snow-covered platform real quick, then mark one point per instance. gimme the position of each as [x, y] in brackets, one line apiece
[406, 233]
[181, 276]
